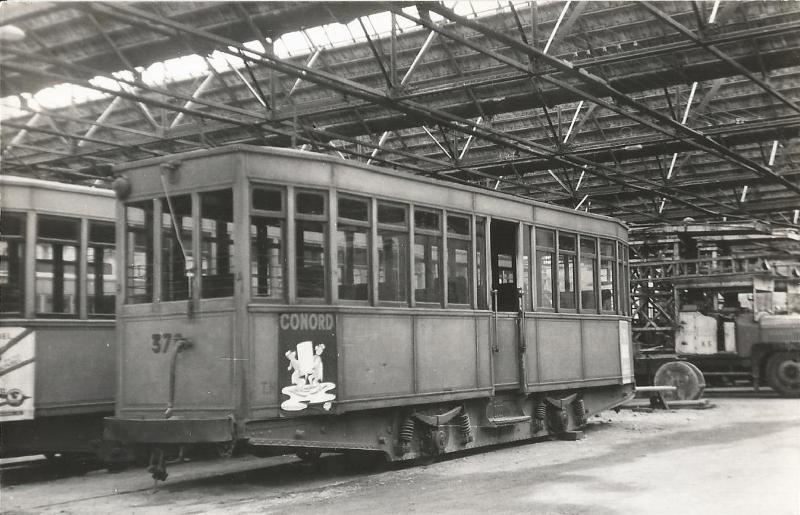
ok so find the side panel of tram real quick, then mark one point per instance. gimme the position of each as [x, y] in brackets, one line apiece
[399, 350]
[57, 301]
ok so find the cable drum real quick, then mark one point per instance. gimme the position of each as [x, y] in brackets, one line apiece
[683, 375]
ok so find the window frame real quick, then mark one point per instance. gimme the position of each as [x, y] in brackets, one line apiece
[447, 235]
[21, 239]
[595, 270]
[408, 231]
[436, 233]
[326, 221]
[90, 243]
[367, 226]
[281, 215]
[78, 263]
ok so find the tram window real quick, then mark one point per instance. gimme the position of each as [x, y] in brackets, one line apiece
[216, 244]
[393, 252]
[267, 200]
[624, 275]
[480, 256]
[310, 249]
[57, 254]
[310, 203]
[353, 209]
[101, 281]
[608, 294]
[526, 266]
[458, 260]
[427, 256]
[545, 263]
[566, 271]
[267, 259]
[12, 262]
[353, 249]
[390, 214]
[139, 252]
[588, 273]
[176, 247]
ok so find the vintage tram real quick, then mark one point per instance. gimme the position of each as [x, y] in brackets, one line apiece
[57, 304]
[292, 301]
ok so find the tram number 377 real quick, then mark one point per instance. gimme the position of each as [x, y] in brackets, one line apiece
[161, 341]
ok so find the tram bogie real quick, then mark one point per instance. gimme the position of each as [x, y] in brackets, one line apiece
[286, 300]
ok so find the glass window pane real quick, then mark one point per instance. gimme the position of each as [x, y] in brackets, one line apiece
[216, 244]
[267, 199]
[101, 281]
[310, 248]
[174, 281]
[566, 281]
[353, 209]
[426, 220]
[545, 238]
[588, 298]
[607, 290]
[352, 250]
[391, 214]
[566, 241]
[392, 265]
[12, 262]
[56, 287]
[480, 242]
[526, 266]
[458, 225]
[588, 246]
[310, 203]
[544, 279]
[607, 248]
[139, 247]
[426, 268]
[267, 259]
[458, 271]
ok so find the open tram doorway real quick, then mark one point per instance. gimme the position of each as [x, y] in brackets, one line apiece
[504, 264]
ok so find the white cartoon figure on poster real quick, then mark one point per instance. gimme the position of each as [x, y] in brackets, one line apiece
[308, 386]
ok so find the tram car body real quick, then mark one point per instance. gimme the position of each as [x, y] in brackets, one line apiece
[57, 302]
[289, 300]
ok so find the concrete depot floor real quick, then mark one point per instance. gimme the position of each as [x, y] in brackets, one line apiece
[740, 457]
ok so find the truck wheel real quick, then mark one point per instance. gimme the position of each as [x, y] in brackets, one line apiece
[682, 375]
[783, 373]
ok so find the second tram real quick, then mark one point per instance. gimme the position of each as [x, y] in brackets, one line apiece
[291, 301]
[57, 303]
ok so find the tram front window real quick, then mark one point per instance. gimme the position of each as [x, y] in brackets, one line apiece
[216, 244]
[176, 246]
[12, 262]
[57, 266]
[139, 252]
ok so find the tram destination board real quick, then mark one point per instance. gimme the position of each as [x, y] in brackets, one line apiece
[307, 372]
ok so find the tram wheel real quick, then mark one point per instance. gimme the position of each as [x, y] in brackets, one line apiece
[783, 373]
[684, 377]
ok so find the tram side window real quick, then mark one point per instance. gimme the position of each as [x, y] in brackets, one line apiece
[608, 291]
[393, 251]
[624, 275]
[545, 267]
[566, 270]
[588, 273]
[176, 247]
[526, 266]
[267, 250]
[57, 254]
[216, 244]
[427, 255]
[139, 222]
[480, 257]
[101, 281]
[458, 259]
[353, 249]
[310, 244]
[12, 262]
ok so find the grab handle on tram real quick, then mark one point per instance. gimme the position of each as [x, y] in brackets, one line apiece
[495, 344]
[521, 319]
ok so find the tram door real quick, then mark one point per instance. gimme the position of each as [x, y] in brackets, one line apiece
[507, 320]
